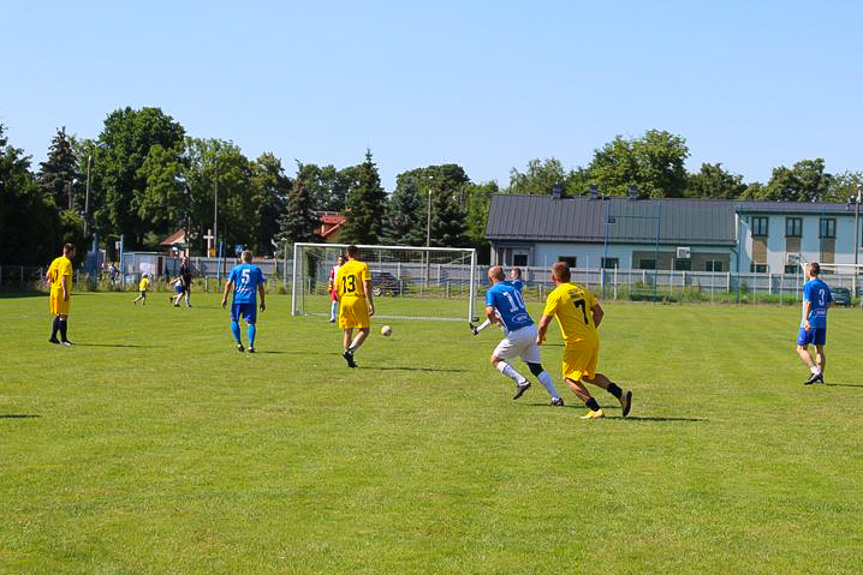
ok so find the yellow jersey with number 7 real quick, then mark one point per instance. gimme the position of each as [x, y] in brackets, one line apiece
[351, 277]
[570, 303]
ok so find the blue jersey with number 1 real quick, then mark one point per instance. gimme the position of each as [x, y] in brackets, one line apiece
[507, 300]
[246, 278]
[818, 295]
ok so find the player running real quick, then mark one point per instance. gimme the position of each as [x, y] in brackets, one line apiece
[334, 292]
[356, 304]
[247, 280]
[813, 326]
[143, 285]
[59, 278]
[186, 276]
[578, 315]
[515, 280]
[505, 306]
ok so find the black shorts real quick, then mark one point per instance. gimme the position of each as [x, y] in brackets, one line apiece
[143, 294]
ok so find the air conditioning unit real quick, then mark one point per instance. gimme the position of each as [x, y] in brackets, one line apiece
[684, 253]
[792, 259]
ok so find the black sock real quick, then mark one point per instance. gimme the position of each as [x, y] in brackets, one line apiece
[614, 390]
[55, 327]
[63, 326]
[591, 404]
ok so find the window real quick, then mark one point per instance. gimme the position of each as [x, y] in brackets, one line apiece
[792, 269]
[683, 265]
[568, 260]
[759, 225]
[827, 228]
[793, 227]
[646, 264]
[713, 266]
[610, 263]
[758, 268]
[519, 260]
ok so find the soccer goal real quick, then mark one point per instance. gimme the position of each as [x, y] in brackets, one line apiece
[849, 276]
[407, 282]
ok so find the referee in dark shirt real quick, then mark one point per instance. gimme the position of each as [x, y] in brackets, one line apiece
[186, 277]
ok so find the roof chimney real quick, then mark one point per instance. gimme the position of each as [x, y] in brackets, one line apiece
[557, 191]
[633, 193]
[594, 192]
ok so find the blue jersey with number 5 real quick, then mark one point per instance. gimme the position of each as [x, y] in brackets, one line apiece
[507, 300]
[246, 278]
[818, 295]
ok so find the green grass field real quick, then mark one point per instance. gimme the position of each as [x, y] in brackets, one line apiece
[154, 447]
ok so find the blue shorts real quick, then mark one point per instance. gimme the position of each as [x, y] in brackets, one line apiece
[247, 311]
[178, 289]
[815, 336]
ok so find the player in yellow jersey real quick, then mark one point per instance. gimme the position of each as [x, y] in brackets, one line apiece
[354, 285]
[578, 315]
[143, 285]
[59, 278]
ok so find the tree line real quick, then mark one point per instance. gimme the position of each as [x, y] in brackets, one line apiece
[144, 177]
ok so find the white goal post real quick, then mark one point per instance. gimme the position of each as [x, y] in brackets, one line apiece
[839, 275]
[407, 282]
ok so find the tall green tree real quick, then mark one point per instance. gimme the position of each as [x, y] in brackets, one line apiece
[163, 204]
[476, 217]
[404, 223]
[366, 209]
[714, 182]
[844, 186]
[654, 164]
[805, 181]
[59, 177]
[298, 221]
[128, 135]
[271, 188]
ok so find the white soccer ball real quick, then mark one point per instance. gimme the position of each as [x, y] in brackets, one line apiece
[386, 331]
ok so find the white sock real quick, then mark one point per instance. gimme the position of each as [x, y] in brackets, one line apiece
[509, 371]
[483, 325]
[815, 370]
[333, 309]
[187, 300]
[548, 384]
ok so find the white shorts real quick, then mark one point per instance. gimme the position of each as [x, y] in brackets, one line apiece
[519, 343]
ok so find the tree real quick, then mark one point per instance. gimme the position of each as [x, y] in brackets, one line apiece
[366, 207]
[539, 178]
[30, 225]
[476, 218]
[654, 164]
[806, 181]
[404, 214]
[58, 175]
[128, 136]
[844, 186]
[271, 188]
[163, 204]
[712, 181]
[298, 222]
[447, 220]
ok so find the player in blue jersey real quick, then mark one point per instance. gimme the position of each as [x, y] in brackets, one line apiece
[505, 306]
[813, 326]
[515, 280]
[247, 281]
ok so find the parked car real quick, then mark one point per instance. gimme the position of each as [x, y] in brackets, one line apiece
[385, 283]
[841, 296]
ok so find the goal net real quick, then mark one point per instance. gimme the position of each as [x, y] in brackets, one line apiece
[849, 276]
[407, 282]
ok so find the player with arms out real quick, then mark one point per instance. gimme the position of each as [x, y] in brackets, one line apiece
[59, 278]
[247, 280]
[505, 306]
[813, 326]
[515, 280]
[334, 292]
[356, 304]
[578, 315]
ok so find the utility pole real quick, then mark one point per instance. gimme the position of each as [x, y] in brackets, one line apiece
[216, 207]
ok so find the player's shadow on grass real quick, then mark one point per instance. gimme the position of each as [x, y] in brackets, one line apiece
[615, 407]
[425, 369]
[19, 416]
[114, 345]
[843, 385]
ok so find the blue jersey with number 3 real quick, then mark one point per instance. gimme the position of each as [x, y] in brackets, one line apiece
[818, 295]
[246, 278]
[507, 300]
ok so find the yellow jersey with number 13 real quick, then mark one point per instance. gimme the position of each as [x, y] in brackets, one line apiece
[570, 303]
[350, 279]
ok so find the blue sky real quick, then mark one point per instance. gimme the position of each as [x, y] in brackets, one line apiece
[488, 85]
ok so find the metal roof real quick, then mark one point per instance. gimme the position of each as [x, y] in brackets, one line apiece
[750, 207]
[582, 219]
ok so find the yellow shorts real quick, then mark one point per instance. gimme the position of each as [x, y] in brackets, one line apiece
[354, 312]
[57, 305]
[579, 360]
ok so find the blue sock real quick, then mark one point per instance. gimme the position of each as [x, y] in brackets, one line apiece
[235, 327]
[252, 332]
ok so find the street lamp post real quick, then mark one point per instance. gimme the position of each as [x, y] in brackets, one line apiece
[100, 146]
[216, 207]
